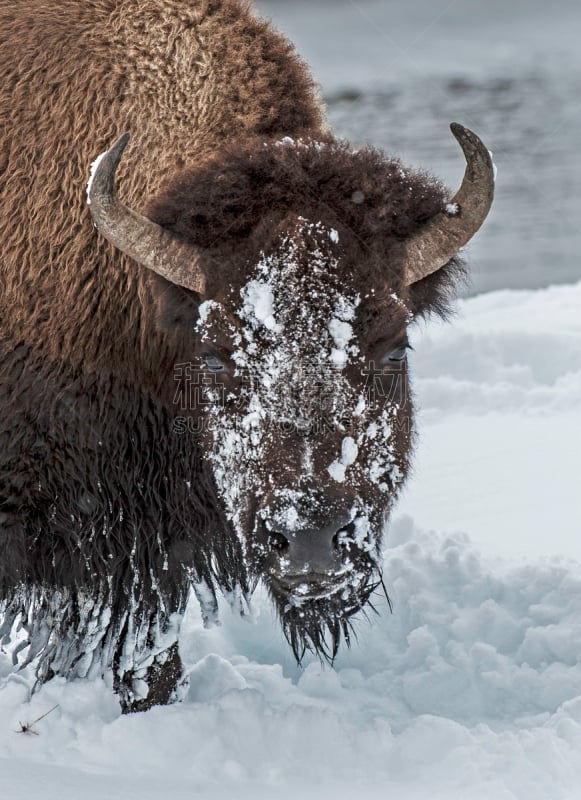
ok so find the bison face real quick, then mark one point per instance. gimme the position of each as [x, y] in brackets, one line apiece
[304, 262]
[306, 425]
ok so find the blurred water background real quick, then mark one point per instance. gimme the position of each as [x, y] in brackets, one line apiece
[395, 73]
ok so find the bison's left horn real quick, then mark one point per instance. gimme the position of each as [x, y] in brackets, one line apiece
[452, 228]
[138, 237]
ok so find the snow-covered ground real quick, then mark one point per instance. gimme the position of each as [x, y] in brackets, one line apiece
[470, 689]
[499, 392]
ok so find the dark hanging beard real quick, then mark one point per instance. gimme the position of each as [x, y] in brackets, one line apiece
[320, 625]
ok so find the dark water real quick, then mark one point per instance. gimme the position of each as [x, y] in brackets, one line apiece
[395, 75]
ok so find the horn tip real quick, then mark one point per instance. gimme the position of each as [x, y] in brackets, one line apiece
[101, 186]
[471, 144]
[463, 134]
[116, 151]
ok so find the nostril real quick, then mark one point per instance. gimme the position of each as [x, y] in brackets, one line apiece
[277, 542]
[344, 538]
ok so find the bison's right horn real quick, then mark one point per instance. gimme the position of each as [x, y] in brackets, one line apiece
[138, 237]
[451, 229]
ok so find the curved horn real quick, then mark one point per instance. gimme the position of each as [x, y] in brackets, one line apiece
[451, 229]
[138, 237]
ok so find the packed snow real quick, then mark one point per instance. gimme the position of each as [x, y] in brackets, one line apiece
[349, 453]
[470, 689]
[499, 396]
[258, 305]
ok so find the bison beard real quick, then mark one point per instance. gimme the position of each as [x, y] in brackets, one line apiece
[267, 251]
[323, 624]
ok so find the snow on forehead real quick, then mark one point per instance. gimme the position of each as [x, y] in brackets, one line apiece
[298, 144]
[282, 304]
[258, 306]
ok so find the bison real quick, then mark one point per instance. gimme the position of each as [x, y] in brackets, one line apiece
[203, 378]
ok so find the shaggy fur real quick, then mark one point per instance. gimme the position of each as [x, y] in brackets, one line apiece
[84, 444]
[106, 518]
[236, 202]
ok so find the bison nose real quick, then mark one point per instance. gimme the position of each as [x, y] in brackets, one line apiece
[308, 550]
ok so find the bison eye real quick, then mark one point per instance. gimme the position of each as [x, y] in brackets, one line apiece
[397, 354]
[212, 363]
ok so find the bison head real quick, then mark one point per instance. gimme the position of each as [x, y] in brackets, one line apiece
[302, 264]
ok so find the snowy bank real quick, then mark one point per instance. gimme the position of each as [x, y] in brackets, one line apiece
[471, 689]
[499, 394]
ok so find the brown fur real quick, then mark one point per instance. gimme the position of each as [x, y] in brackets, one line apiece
[183, 78]
[93, 493]
[235, 202]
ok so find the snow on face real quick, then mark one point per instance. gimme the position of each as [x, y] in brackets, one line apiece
[258, 304]
[349, 453]
[300, 424]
